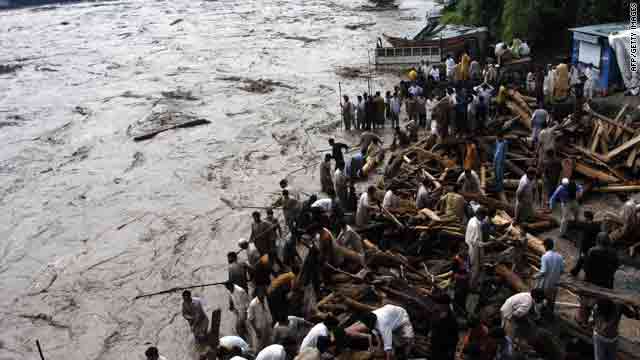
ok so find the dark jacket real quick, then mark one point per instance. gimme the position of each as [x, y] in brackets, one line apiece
[601, 266]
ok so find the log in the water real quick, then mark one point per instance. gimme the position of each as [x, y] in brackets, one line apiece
[187, 124]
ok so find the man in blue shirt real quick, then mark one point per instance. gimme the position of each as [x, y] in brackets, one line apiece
[552, 267]
[568, 194]
[498, 163]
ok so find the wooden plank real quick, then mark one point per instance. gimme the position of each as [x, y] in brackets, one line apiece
[596, 292]
[590, 172]
[620, 149]
[524, 117]
[612, 122]
[632, 157]
[621, 112]
[616, 188]
[604, 139]
[596, 138]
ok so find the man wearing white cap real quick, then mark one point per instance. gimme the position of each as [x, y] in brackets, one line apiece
[568, 193]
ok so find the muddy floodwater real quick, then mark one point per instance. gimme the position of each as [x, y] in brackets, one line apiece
[90, 218]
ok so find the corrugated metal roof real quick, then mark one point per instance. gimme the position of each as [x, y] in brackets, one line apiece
[601, 29]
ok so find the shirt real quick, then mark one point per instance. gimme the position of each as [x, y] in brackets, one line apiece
[238, 274]
[229, 342]
[539, 118]
[501, 150]
[473, 238]
[363, 211]
[562, 194]
[240, 299]
[294, 330]
[390, 201]
[470, 184]
[351, 239]
[607, 326]
[517, 306]
[600, 266]
[390, 317]
[451, 65]
[551, 269]
[422, 199]
[435, 74]
[454, 205]
[354, 166]
[324, 204]
[396, 104]
[272, 352]
[336, 152]
[311, 340]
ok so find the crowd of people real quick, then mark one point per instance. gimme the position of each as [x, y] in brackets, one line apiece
[274, 291]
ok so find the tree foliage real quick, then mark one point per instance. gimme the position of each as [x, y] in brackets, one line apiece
[536, 20]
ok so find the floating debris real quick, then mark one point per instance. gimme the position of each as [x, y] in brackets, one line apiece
[8, 69]
[159, 122]
[180, 94]
[359, 26]
[260, 86]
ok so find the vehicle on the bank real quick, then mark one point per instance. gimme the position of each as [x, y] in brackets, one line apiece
[432, 44]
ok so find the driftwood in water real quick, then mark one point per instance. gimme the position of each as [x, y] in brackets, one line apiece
[187, 124]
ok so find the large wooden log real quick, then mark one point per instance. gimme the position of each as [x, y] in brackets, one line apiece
[617, 188]
[612, 122]
[525, 118]
[590, 172]
[490, 203]
[590, 290]
[511, 278]
[622, 148]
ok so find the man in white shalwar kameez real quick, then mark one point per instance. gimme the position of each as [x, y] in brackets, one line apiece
[473, 238]
[259, 320]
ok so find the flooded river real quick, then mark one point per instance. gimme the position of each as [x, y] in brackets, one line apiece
[91, 218]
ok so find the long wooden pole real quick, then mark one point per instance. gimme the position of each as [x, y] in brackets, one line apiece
[39, 349]
[341, 109]
[174, 289]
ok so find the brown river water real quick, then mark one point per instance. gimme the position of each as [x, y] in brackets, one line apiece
[90, 218]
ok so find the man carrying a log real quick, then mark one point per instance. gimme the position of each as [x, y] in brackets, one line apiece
[524, 196]
[473, 238]
[568, 193]
[552, 267]
[389, 321]
[193, 312]
[517, 313]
